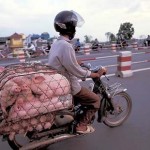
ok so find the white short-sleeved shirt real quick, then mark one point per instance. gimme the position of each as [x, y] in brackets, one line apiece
[62, 57]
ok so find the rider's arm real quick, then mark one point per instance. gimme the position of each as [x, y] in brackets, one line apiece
[99, 73]
[72, 65]
[92, 75]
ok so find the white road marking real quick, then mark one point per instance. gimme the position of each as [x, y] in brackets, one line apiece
[113, 74]
[96, 58]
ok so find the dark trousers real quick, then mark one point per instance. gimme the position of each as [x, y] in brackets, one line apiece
[148, 42]
[87, 98]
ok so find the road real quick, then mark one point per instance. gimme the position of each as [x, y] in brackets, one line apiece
[134, 134]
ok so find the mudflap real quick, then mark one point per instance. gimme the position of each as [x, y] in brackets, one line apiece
[101, 112]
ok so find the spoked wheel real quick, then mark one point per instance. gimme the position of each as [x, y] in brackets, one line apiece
[21, 140]
[122, 108]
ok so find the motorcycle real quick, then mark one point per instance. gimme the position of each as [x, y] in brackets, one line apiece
[114, 109]
[31, 54]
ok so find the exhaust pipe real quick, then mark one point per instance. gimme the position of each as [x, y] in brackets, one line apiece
[42, 143]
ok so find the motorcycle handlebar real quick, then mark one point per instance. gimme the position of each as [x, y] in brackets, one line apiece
[92, 69]
[85, 66]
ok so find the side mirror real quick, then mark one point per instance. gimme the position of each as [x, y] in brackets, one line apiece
[89, 65]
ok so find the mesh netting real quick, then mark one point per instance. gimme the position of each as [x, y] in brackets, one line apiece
[29, 96]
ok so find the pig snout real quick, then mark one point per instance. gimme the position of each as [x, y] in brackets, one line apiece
[24, 87]
[17, 89]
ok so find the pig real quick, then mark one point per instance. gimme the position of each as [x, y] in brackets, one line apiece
[8, 95]
[59, 84]
[26, 91]
[47, 125]
[50, 85]
[27, 109]
[40, 86]
[26, 103]
[21, 80]
[2, 69]
[34, 121]
[39, 94]
[26, 106]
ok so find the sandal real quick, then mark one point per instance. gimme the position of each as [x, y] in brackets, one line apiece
[89, 129]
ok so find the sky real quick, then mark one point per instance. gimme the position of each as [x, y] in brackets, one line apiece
[101, 16]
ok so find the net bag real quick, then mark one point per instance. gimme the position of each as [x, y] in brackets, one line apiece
[30, 94]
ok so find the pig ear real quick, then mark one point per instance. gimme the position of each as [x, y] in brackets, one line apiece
[38, 79]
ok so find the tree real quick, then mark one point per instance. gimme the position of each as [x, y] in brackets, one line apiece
[126, 31]
[88, 38]
[110, 36]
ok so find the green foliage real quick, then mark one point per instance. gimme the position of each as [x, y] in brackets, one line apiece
[126, 31]
[110, 36]
[88, 39]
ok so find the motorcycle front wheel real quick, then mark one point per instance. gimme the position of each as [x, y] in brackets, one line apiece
[122, 108]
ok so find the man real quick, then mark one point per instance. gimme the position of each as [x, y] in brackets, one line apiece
[95, 44]
[31, 48]
[62, 57]
[148, 40]
[77, 45]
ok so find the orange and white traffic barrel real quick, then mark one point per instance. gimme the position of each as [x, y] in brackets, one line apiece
[113, 47]
[135, 45]
[21, 56]
[124, 64]
[87, 48]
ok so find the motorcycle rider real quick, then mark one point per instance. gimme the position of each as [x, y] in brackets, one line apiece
[62, 57]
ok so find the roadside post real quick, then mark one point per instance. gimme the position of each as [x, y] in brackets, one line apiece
[135, 45]
[87, 48]
[21, 55]
[124, 64]
[113, 47]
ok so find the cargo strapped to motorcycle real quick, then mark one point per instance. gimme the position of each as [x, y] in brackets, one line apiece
[33, 93]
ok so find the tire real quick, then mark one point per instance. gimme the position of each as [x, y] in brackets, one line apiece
[120, 114]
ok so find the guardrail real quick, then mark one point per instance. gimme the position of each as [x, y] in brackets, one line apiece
[124, 62]
[113, 47]
[86, 51]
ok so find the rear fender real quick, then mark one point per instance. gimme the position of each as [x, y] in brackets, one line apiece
[119, 90]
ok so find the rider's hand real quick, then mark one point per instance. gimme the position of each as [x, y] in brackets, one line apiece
[101, 72]
[80, 62]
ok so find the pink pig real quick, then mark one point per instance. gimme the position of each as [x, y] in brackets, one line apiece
[59, 84]
[25, 107]
[2, 69]
[41, 87]
[50, 85]
[8, 95]
[25, 102]
[20, 80]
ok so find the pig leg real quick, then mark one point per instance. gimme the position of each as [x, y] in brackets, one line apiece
[12, 136]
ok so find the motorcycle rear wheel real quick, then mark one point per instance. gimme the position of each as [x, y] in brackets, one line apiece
[122, 108]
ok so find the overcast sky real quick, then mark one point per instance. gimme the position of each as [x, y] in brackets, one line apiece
[101, 16]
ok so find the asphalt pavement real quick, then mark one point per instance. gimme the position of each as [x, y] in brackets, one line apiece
[134, 134]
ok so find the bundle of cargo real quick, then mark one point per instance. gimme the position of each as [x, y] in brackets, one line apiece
[30, 94]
